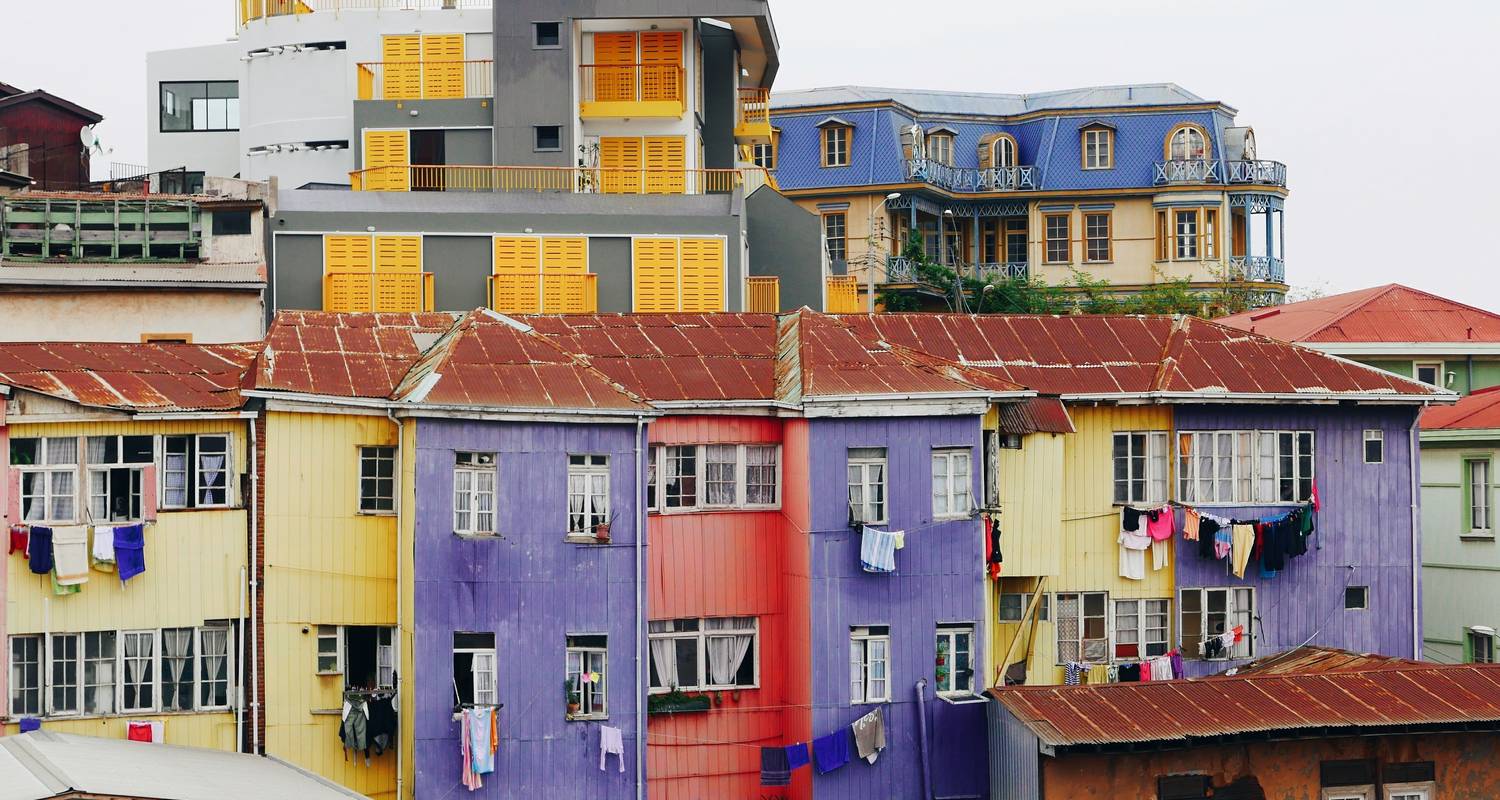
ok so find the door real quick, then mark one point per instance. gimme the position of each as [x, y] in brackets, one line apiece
[387, 155]
[620, 162]
[428, 150]
[614, 67]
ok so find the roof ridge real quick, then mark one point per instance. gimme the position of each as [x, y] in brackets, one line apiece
[1169, 353]
[1381, 291]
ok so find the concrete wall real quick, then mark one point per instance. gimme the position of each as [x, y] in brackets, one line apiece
[214, 153]
[238, 249]
[1459, 571]
[211, 316]
[786, 241]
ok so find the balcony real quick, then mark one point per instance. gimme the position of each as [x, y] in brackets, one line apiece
[426, 80]
[378, 291]
[964, 180]
[753, 126]
[1257, 269]
[1194, 170]
[450, 178]
[568, 293]
[1261, 173]
[613, 91]
[900, 269]
[1004, 270]
[264, 9]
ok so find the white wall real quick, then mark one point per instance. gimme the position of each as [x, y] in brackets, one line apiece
[211, 317]
[210, 152]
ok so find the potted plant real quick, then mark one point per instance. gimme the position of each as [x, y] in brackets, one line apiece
[571, 695]
[601, 533]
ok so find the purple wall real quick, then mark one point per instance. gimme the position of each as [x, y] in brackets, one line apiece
[939, 578]
[532, 589]
[1365, 523]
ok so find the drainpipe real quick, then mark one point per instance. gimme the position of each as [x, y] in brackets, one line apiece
[640, 610]
[1470, 369]
[255, 593]
[1416, 553]
[396, 503]
[922, 739]
[239, 648]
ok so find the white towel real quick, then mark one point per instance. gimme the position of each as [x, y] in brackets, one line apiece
[877, 551]
[611, 740]
[104, 544]
[70, 555]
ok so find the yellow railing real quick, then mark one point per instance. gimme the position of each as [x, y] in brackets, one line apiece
[560, 293]
[755, 107]
[843, 295]
[378, 291]
[455, 178]
[632, 90]
[763, 295]
[426, 80]
[262, 9]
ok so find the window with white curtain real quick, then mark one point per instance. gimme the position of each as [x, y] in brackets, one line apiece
[195, 471]
[588, 493]
[474, 493]
[761, 475]
[99, 670]
[214, 668]
[25, 675]
[1082, 627]
[213, 471]
[139, 668]
[955, 659]
[49, 476]
[474, 669]
[62, 675]
[177, 669]
[720, 474]
[714, 477]
[869, 664]
[1141, 628]
[702, 654]
[951, 483]
[680, 476]
[116, 471]
[1241, 467]
[867, 476]
[102, 673]
[1140, 467]
[587, 672]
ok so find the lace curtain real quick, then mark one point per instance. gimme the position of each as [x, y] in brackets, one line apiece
[726, 654]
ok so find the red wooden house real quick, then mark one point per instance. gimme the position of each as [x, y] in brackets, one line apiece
[39, 138]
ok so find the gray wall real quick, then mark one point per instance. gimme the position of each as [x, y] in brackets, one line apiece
[462, 265]
[786, 241]
[718, 97]
[467, 146]
[612, 260]
[430, 114]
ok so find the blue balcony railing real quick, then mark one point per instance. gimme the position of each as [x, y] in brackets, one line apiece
[969, 180]
[1005, 270]
[1258, 269]
[899, 269]
[1193, 170]
[1262, 173]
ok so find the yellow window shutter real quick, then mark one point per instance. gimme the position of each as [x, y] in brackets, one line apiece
[703, 275]
[403, 67]
[843, 294]
[388, 149]
[620, 158]
[516, 284]
[443, 65]
[763, 295]
[346, 273]
[398, 273]
[614, 67]
[565, 261]
[661, 65]
[655, 275]
[665, 158]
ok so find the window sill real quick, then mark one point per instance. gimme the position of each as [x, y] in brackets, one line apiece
[478, 537]
[327, 674]
[713, 510]
[1476, 537]
[13, 719]
[587, 717]
[364, 513]
[953, 517]
[585, 539]
[326, 712]
[1106, 263]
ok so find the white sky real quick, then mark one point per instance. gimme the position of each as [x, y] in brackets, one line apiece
[1384, 111]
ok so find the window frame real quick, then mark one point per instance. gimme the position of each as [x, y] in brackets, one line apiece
[1015, 152]
[193, 472]
[121, 677]
[765, 154]
[1374, 436]
[865, 463]
[536, 139]
[476, 468]
[1257, 476]
[940, 147]
[536, 35]
[1206, 152]
[586, 472]
[1187, 234]
[1044, 610]
[200, 673]
[50, 705]
[1477, 499]
[1473, 635]
[951, 632]
[700, 636]
[1142, 615]
[221, 225]
[586, 656]
[372, 453]
[1104, 616]
[952, 492]
[1157, 448]
[1049, 240]
[1417, 790]
[15, 664]
[1364, 598]
[475, 653]
[161, 107]
[839, 221]
[1233, 615]
[1103, 141]
[1356, 792]
[662, 456]
[1090, 239]
[861, 638]
[836, 143]
[48, 472]
[1439, 375]
[324, 632]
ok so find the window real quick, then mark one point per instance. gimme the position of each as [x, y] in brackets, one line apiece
[116, 470]
[377, 479]
[1225, 467]
[867, 485]
[702, 654]
[99, 672]
[474, 493]
[835, 230]
[195, 471]
[182, 181]
[1059, 238]
[1096, 235]
[955, 659]
[1409, 791]
[1207, 613]
[1163, 236]
[474, 669]
[177, 669]
[763, 155]
[681, 477]
[200, 106]
[951, 490]
[548, 138]
[213, 667]
[1374, 447]
[1098, 148]
[546, 35]
[1187, 143]
[139, 668]
[731, 476]
[588, 493]
[1013, 607]
[62, 674]
[1351, 779]
[25, 675]
[1210, 233]
[330, 650]
[869, 665]
[1478, 497]
[1183, 787]
[836, 145]
[1141, 628]
[1015, 240]
[940, 148]
[1480, 642]
[1185, 238]
[720, 474]
[366, 654]
[1356, 597]
[587, 665]
[1140, 467]
[1003, 152]
[49, 474]
[762, 477]
[231, 223]
[1082, 633]
[1430, 373]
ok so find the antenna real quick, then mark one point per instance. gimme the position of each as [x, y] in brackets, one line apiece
[86, 136]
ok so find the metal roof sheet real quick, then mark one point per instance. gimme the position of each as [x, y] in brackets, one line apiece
[1390, 313]
[242, 275]
[1035, 415]
[1313, 659]
[1388, 696]
[1478, 411]
[927, 101]
[157, 378]
[343, 355]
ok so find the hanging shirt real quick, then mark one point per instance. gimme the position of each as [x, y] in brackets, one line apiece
[1130, 518]
[775, 770]
[1207, 530]
[1177, 667]
[39, 551]
[17, 540]
[478, 730]
[877, 551]
[1071, 673]
[1190, 524]
[1160, 523]
[70, 554]
[869, 735]
[130, 551]
[611, 740]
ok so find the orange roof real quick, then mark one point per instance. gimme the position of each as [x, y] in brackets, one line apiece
[1478, 411]
[344, 355]
[1390, 313]
[143, 378]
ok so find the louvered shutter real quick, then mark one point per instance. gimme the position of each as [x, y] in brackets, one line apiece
[565, 261]
[387, 149]
[614, 67]
[656, 275]
[666, 158]
[620, 159]
[843, 295]
[703, 275]
[347, 273]
[661, 65]
[402, 78]
[398, 273]
[443, 66]
[517, 279]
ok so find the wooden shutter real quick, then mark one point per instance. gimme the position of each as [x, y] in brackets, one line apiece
[666, 159]
[517, 280]
[398, 273]
[763, 295]
[661, 65]
[402, 79]
[987, 150]
[614, 67]
[656, 275]
[388, 149]
[703, 275]
[843, 295]
[443, 65]
[346, 273]
[565, 261]
[620, 158]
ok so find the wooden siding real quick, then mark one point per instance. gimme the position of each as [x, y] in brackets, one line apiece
[1031, 505]
[325, 564]
[1458, 571]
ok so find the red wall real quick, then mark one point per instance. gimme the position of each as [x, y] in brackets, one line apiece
[65, 163]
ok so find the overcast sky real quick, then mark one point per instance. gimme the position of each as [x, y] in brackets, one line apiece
[1385, 112]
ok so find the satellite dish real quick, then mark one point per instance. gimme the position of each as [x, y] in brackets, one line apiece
[86, 135]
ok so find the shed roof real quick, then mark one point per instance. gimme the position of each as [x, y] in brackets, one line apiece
[246, 276]
[1385, 697]
[43, 96]
[1478, 411]
[1314, 659]
[1389, 313]
[151, 378]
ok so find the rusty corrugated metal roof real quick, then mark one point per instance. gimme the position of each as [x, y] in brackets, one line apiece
[1478, 411]
[1390, 313]
[344, 355]
[1313, 659]
[149, 378]
[1389, 697]
[1035, 415]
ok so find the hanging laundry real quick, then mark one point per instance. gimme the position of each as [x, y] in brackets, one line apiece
[29, 724]
[1130, 673]
[382, 724]
[1244, 543]
[900, 539]
[145, 731]
[354, 732]
[1223, 542]
[1113, 675]
[1071, 673]
[61, 589]
[797, 757]
[1159, 551]
[1316, 504]
[1161, 668]
[774, 767]
[39, 550]
[992, 555]
[1133, 544]
[17, 540]
[479, 728]
[471, 780]
[832, 751]
[1098, 674]
[130, 551]
[611, 740]
[1190, 524]
[1146, 675]
[869, 735]
[1160, 523]
[70, 554]
[877, 552]
[1177, 669]
[102, 553]
[1130, 518]
[1208, 528]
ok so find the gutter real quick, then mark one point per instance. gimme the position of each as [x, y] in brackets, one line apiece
[1414, 447]
[396, 667]
[1246, 397]
[255, 585]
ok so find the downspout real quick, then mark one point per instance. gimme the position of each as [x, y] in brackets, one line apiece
[396, 503]
[255, 632]
[1416, 542]
[640, 610]
[239, 647]
[922, 739]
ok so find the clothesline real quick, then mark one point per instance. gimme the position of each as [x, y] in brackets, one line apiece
[694, 740]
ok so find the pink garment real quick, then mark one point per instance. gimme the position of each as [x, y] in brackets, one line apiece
[1146, 672]
[1160, 523]
[471, 779]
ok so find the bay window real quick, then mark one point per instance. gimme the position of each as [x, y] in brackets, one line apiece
[709, 477]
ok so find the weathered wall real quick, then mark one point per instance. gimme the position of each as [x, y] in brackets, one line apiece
[210, 316]
[1458, 570]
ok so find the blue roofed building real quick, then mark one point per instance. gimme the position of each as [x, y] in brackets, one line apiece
[1133, 185]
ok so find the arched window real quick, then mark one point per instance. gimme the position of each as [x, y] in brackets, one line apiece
[1003, 152]
[1187, 143]
[940, 148]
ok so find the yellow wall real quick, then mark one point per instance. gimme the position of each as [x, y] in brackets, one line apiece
[193, 574]
[1031, 505]
[406, 654]
[326, 564]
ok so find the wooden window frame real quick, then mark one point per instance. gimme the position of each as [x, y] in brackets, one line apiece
[860, 640]
[1474, 635]
[1485, 501]
[949, 633]
[1108, 238]
[374, 454]
[476, 468]
[1101, 135]
[588, 657]
[699, 636]
[1233, 615]
[841, 136]
[949, 142]
[843, 240]
[864, 465]
[1440, 370]
[953, 494]
[1048, 240]
[1207, 154]
[659, 460]
[1141, 616]
[1015, 149]
[1156, 457]
[585, 467]
[1083, 616]
[1375, 436]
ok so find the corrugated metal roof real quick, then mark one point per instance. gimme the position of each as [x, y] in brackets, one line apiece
[1390, 313]
[927, 101]
[1036, 415]
[245, 275]
[1384, 696]
[158, 378]
[1311, 659]
[1478, 411]
[344, 355]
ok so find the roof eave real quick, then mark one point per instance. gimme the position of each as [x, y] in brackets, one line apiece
[1272, 398]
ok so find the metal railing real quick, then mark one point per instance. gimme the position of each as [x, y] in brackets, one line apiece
[755, 108]
[1265, 173]
[900, 269]
[1258, 269]
[965, 179]
[452, 178]
[1004, 270]
[572, 293]
[426, 80]
[262, 9]
[632, 84]
[1194, 170]
[763, 294]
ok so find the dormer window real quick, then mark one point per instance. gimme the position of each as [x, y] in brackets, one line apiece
[837, 139]
[1188, 142]
[1003, 151]
[940, 146]
[1098, 147]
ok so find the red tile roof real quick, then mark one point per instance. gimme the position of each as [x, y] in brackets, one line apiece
[1390, 313]
[344, 355]
[1100, 354]
[147, 378]
[1478, 411]
[1408, 695]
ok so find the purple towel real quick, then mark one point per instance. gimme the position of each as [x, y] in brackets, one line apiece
[796, 756]
[29, 724]
[130, 551]
[773, 767]
[40, 551]
[831, 751]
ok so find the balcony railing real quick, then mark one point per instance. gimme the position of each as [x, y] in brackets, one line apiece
[1257, 269]
[426, 80]
[900, 269]
[261, 9]
[632, 90]
[1264, 173]
[440, 178]
[964, 179]
[763, 294]
[367, 291]
[1194, 170]
[574, 293]
[1004, 270]
[753, 125]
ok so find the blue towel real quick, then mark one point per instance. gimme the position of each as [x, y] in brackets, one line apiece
[877, 551]
[130, 551]
[40, 550]
[796, 756]
[831, 751]
[773, 767]
[29, 724]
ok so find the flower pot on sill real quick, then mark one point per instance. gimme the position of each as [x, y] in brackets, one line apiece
[601, 533]
[941, 660]
[572, 709]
